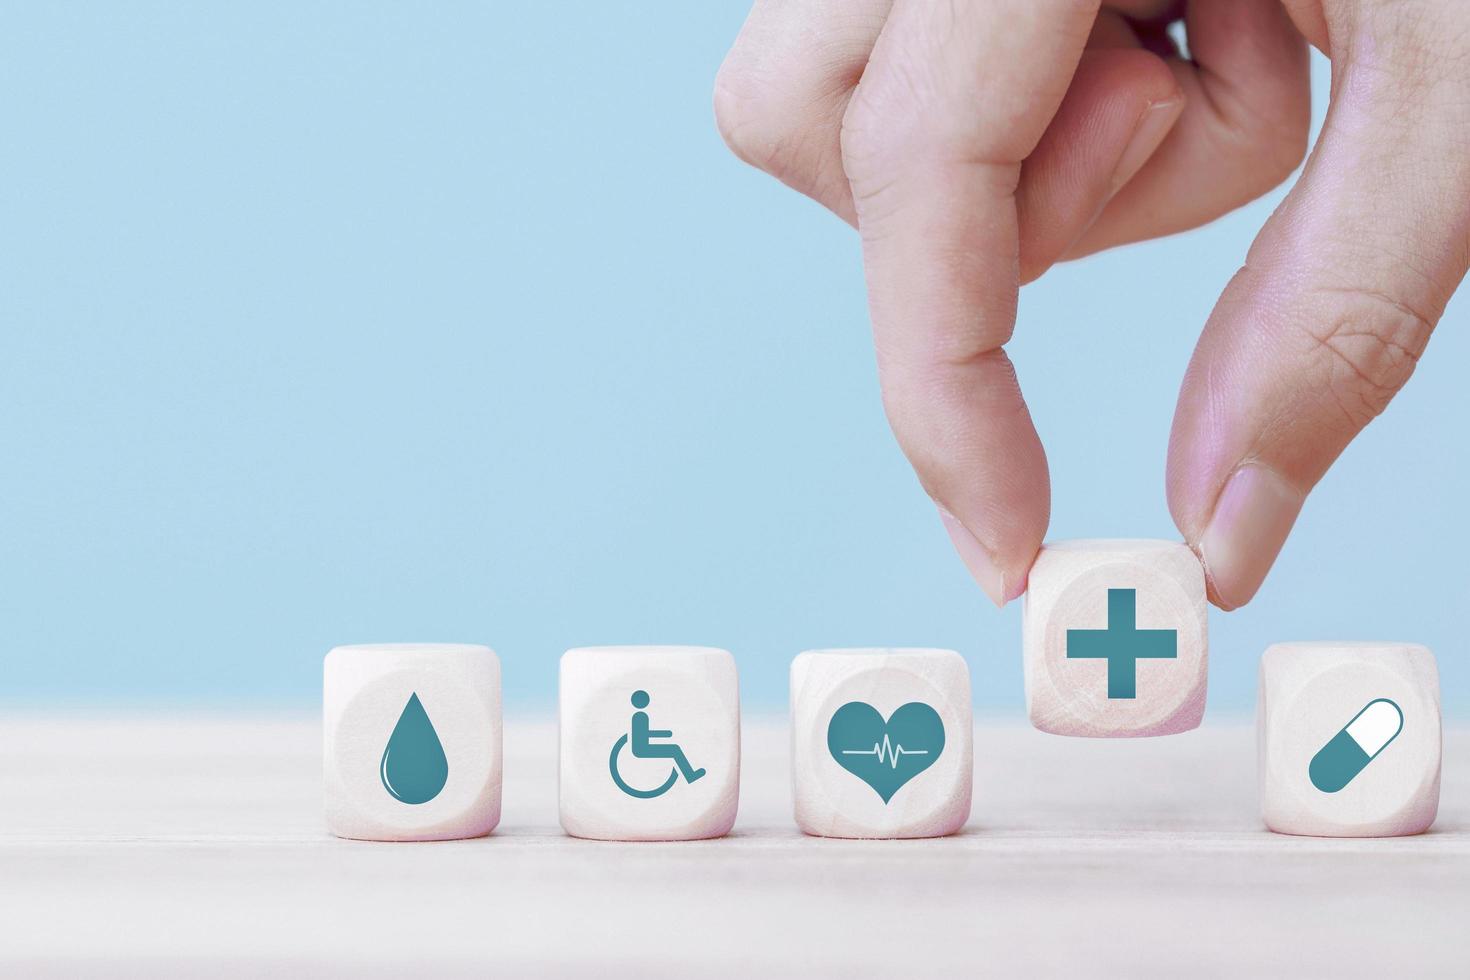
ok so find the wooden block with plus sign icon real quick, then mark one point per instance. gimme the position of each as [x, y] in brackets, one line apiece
[1114, 637]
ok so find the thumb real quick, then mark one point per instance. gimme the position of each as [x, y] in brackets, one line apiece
[1338, 296]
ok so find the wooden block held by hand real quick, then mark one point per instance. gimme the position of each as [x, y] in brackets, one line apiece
[650, 743]
[881, 742]
[1348, 738]
[1115, 643]
[412, 741]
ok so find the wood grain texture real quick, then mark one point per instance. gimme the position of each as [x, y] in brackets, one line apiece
[177, 846]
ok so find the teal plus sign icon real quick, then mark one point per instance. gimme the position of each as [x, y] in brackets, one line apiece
[1122, 644]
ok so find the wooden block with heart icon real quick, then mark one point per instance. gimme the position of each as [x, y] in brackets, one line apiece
[881, 742]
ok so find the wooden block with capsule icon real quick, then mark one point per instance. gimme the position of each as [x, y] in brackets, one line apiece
[1349, 739]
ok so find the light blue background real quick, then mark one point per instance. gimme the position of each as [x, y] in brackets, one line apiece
[336, 323]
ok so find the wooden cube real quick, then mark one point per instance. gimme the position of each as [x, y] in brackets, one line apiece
[1348, 738]
[1114, 633]
[881, 742]
[412, 741]
[650, 743]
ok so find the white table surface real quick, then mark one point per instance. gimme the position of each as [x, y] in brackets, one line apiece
[190, 845]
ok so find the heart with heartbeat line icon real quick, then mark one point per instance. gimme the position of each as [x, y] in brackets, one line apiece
[885, 754]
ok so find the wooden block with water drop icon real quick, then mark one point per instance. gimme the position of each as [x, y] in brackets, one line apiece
[1348, 739]
[881, 742]
[650, 743]
[412, 741]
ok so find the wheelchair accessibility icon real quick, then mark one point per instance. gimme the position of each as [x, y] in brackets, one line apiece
[638, 741]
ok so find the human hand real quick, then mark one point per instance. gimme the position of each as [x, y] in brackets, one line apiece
[973, 144]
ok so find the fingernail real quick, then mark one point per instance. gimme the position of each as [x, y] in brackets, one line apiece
[1252, 518]
[982, 567]
[1153, 126]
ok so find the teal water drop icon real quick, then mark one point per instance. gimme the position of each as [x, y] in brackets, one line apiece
[414, 768]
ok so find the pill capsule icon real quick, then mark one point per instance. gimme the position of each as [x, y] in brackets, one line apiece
[1350, 750]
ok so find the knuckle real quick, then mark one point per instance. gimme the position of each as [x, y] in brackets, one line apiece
[745, 114]
[869, 135]
[897, 117]
[886, 156]
[1367, 348]
[869, 146]
[778, 119]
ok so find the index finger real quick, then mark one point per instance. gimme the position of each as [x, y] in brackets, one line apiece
[954, 98]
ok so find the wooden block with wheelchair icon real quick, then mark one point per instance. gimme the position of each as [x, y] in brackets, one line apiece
[650, 742]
